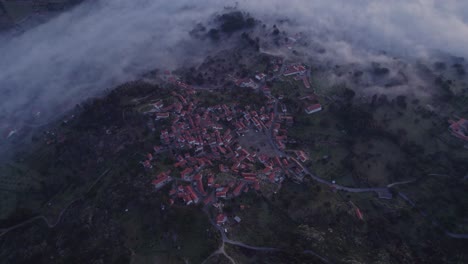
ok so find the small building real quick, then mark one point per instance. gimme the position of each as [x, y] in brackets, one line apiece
[192, 194]
[302, 156]
[158, 105]
[237, 219]
[162, 115]
[294, 69]
[246, 83]
[260, 76]
[221, 192]
[147, 164]
[221, 219]
[186, 174]
[313, 109]
[161, 181]
[210, 180]
[237, 191]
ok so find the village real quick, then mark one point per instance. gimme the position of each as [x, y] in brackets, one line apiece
[215, 158]
[213, 161]
[230, 135]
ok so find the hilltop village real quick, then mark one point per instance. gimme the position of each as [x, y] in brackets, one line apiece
[225, 150]
[215, 159]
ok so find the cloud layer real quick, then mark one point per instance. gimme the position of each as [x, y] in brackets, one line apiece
[409, 27]
[106, 42]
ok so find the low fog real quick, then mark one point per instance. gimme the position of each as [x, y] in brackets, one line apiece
[99, 44]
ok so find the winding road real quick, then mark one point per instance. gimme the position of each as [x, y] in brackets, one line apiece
[226, 240]
[433, 220]
[382, 192]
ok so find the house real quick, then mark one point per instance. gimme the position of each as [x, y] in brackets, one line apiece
[149, 156]
[158, 105]
[459, 129]
[250, 179]
[267, 171]
[186, 174]
[313, 109]
[221, 219]
[210, 180]
[147, 164]
[302, 156]
[198, 180]
[248, 174]
[237, 191]
[221, 192]
[294, 69]
[246, 83]
[260, 76]
[162, 115]
[161, 181]
[191, 192]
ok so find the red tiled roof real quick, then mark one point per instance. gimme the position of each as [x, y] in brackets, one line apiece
[313, 108]
[186, 172]
[161, 180]
[239, 188]
[248, 174]
[192, 193]
[221, 219]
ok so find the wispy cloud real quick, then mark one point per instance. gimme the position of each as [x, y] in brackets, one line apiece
[105, 42]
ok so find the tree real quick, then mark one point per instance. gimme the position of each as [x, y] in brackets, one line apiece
[401, 101]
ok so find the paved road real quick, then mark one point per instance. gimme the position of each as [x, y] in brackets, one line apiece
[399, 183]
[382, 192]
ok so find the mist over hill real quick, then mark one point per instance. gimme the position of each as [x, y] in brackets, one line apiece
[50, 68]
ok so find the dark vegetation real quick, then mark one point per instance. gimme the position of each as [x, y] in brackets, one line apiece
[120, 214]
[235, 21]
[228, 23]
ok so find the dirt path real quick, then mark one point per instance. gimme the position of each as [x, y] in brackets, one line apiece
[433, 220]
[4, 231]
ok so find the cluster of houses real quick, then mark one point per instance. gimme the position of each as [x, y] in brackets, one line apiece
[206, 146]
